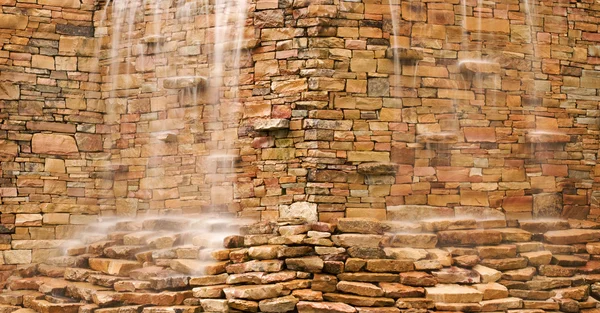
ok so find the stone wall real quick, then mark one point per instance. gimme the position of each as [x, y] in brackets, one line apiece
[50, 117]
[461, 108]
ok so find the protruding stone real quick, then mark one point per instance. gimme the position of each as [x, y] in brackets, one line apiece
[453, 294]
[377, 168]
[256, 292]
[324, 307]
[571, 236]
[360, 225]
[184, 82]
[271, 124]
[479, 67]
[53, 144]
[404, 54]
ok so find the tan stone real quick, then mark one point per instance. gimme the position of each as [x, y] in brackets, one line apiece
[53, 144]
[476, 24]
[13, 21]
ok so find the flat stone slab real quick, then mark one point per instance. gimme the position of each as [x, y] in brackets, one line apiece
[453, 294]
[360, 225]
[324, 307]
[546, 137]
[417, 212]
[470, 237]
[253, 292]
[271, 124]
[184, 82]
[571, 236]
[479, 67]
[404, 54]
[113, 266]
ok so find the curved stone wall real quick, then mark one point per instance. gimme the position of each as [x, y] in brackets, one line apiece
[474, 108]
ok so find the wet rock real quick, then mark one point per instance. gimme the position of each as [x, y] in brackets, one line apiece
[324, 307]
[538, 258]
[492, 291]
[281, 304]
[455, 275]
[501, 304]
[361, 289]
[417, 279]
[360, 225]
[358, 300]
[453, 294]
[470, 237]
[258, 292]
[487, 274]
[377, 168]
[420, 240]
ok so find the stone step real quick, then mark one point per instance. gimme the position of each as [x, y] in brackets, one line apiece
[571, 236]
[43, 306]
[167, 224]
[361, 301]
[324, 307]
[514, 235]
[542, 226]
[470, 237]
[114, 267]
[453, 294]
[123, 252]
[19, 297]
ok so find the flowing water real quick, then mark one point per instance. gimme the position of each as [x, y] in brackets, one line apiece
[185, 50]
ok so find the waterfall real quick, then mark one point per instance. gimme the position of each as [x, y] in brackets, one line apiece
[173, 69]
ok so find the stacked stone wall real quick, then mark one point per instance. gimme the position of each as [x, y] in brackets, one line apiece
[459, 108]
[50, 120]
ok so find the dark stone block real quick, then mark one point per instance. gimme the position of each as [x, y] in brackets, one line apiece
[73, 30]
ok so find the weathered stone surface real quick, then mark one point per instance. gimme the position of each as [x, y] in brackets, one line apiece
[453, 294]
[455, 275]
[360, 225]
[359, 300]
[417, 240]
[13, 21]
[470, 237]
[53, 144]
[257, 292]
[324, 307]
[571, 236]
[361, 289]
[282, 304]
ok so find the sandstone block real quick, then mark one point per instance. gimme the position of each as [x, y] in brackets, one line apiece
[453, 294]
[53, 144]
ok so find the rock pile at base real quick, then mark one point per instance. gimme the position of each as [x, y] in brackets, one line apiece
[356, 265]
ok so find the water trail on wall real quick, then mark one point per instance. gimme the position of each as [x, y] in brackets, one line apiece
[154, 41]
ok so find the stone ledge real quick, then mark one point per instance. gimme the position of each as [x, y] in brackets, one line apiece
[404, 54]
[441, 137]
[546, 137]
[182, 82]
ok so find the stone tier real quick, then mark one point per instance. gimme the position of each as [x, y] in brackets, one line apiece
[546, 137]
[441, 137]
[356, 265]
[182, 82]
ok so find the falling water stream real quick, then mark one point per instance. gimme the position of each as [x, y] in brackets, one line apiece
[146, 56]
